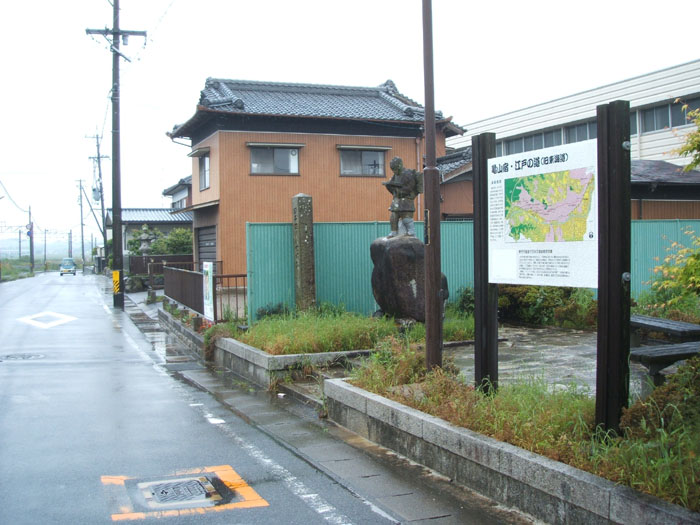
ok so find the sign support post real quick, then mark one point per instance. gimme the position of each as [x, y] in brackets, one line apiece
[614, 251]
[485, 294]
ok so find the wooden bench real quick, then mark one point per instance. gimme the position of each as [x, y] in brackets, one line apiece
[656, 358]
[676, 330]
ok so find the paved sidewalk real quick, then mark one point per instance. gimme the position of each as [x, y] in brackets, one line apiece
[404, 491]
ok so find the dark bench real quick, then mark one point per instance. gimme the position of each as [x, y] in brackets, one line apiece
[676, 330]
[656, 358]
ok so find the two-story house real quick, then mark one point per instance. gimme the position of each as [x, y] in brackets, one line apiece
[180, 193]
[257, 144]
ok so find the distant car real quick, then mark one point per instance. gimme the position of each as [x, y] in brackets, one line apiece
[68, 266]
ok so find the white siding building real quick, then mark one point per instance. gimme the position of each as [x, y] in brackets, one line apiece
[657, 122]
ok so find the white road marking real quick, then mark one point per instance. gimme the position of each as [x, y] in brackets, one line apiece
[327, 511]
[58, 319]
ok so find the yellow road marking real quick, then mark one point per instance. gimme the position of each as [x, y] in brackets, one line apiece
[225, 473]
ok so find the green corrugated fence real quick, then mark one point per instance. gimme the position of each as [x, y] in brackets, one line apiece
[344, 267]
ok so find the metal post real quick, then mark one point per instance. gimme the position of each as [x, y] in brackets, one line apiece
[431, 177]
[485, 294]
[614, 249]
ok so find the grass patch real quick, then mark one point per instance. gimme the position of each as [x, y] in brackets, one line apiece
[327, 329]
[305, 333]
[658, 453]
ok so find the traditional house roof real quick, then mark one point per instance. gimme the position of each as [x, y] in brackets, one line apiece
[151, 216]
[455, 166]
[275, 99]
[182, 184]
[658, 179]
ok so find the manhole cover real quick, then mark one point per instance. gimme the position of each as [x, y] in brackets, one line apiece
[20, 357]
[187, 491]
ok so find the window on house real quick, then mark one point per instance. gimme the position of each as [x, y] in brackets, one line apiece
[514, 146]
[679, 115]
[273, 160]
[579, 132]
[656, 118]
[633, 122]
[499, 149]
[361, 162]
[203, 172]
[552, 138]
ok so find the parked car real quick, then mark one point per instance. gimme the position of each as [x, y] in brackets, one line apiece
[68, 266]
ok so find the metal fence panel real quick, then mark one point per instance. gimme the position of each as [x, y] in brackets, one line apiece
[343, 264]
[650, 243]
[185, 287]
[344, 267]
[270, 263]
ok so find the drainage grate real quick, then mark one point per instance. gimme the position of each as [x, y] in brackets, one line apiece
[178, 491]
[184, 492]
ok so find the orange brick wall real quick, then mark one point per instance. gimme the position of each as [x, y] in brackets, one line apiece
[267, 198]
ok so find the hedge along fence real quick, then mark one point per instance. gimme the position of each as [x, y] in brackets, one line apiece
[344, 267]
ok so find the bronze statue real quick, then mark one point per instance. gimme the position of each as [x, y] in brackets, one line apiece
[405, 185]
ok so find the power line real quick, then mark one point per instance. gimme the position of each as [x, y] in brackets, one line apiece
[11, 199]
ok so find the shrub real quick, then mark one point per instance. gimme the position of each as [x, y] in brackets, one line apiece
[675, 290]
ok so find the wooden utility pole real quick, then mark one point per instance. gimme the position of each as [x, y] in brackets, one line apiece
[431, 178]
[117, 35]
[614, 254]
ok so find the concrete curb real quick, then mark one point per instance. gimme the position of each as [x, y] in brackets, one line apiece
[541, 487]
[249, 362]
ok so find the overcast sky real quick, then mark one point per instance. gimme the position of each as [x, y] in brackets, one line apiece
[490, 58]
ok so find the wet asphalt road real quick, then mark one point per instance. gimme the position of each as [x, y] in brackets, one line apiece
[90, 423]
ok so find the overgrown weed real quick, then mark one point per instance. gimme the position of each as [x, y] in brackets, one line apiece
[659, 452]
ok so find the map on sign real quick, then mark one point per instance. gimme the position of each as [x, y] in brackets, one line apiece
[550, 207]
[543, 217]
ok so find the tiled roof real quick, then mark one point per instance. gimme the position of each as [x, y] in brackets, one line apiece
[381, 103]
[662, 172]
[181, 184]
[454, 161]
[152, 215]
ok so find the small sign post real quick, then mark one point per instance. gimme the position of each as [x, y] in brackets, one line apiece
[208, 292]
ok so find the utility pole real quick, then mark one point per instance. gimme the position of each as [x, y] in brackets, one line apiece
[82, 238]
[431, 177]
[98, 159]
[117, 34]
[70, 243]
[30, 232]
[45, 267]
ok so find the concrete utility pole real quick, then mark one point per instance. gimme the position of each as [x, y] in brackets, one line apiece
[431, 177]
[30, 232]
[70, 243]
[117, 34]
[82, 238]
[98, 159]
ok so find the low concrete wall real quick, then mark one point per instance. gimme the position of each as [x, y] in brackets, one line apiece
[263, 368]
[546, 489]
[248, 362]
[193, 340]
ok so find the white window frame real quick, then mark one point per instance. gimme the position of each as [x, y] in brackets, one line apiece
[294, 151]
[381, 166]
